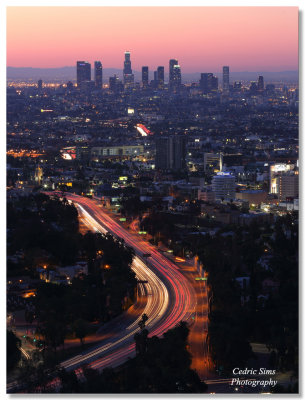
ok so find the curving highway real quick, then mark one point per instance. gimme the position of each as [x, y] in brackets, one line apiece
[170, 296]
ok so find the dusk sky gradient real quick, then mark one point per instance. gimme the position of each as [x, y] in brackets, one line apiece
[203, 39]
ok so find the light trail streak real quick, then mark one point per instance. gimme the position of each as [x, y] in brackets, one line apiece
[170, 297]
[25, 353]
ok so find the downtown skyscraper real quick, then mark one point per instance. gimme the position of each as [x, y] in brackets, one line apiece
[145, 74]
[160, 77]
[172, 63]
[127, 72]
[226, 80]
[83, 72]
[98, 74]
[174, 75]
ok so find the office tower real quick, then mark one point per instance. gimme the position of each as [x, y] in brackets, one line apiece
[223, 185]
[127, 72]
[170, 152]
[208, 83]
[278, 170]
[176, 83]
[145, 76]
[98, 74]
[284, 181]
[172, 63]
[160, 77]
[39, 84]
[288, 186]
[204, 82]
[226, 79]
[260, 84]
[83, 72]
[127, 64]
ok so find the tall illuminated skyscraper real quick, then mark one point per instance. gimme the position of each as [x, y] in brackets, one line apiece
[83, 72]
[98, 74]
[226, 79]
[172, 63]
[127, 63]
[145, 76]
[127, 71]
[176, 83]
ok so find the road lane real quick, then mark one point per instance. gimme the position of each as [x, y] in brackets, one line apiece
[170, 297]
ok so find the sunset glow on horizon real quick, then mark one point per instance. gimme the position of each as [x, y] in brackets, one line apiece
[201, 38]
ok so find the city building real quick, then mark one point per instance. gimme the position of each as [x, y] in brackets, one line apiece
[38, 175]
[206, 194]
[172, 63]
[208, 83]
[223, 185]
[145, 76]
[212, 161]
[277, 170]
[176, 84]
[83, 72]
[117, 151]
[98, 74]
[160, 77]
[287, 186]
[39, 84]
[226, 79]
[127, 72]
[254, 197]
[260, 84]
[170, 152]
[229, 160]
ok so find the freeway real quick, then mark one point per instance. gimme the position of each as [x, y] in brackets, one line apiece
[170, 296]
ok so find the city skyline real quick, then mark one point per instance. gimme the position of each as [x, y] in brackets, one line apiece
[263, 45]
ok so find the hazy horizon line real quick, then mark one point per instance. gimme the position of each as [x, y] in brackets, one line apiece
[191, 72]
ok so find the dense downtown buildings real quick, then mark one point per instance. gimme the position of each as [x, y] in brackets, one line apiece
[200, 177]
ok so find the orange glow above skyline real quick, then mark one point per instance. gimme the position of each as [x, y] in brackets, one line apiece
[201, 38]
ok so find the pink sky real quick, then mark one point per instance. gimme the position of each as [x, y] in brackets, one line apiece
[201, 38]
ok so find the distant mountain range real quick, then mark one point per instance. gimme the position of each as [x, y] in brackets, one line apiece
[65, 74]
